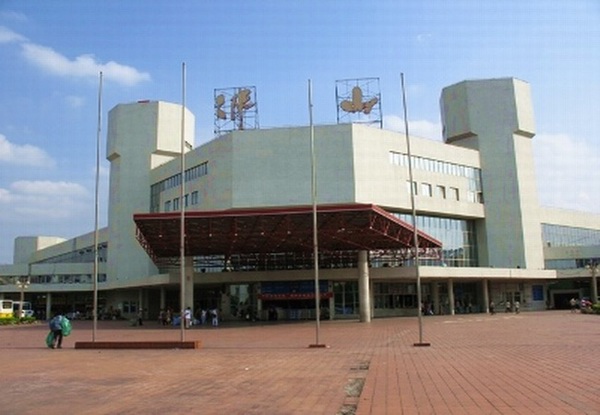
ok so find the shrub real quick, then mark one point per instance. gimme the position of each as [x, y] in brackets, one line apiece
[7, 321]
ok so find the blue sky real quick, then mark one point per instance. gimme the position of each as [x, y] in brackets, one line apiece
[51, 54]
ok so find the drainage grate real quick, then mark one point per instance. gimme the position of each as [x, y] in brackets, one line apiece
[354, 387]
[347, 410]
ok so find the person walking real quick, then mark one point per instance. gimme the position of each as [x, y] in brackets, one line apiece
[56, 327]
[573, 304]
[517, 307]
[508, 309]
[187, 317]
[215, 317]
[492, 307]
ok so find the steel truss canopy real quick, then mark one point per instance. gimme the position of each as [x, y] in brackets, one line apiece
[349, 227]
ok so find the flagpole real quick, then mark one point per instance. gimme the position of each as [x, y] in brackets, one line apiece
[182, 207]
[314, 219]
[414, 217]
[96, 214]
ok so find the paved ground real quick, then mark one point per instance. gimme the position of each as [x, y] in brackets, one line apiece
[532, 363]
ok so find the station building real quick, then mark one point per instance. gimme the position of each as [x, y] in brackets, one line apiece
[248, 214]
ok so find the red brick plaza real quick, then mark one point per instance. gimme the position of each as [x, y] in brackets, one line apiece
[531, 363]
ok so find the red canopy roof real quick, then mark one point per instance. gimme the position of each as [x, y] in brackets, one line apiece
[272, 230]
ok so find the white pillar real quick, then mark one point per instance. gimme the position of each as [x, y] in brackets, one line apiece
[486, 296]
[364, 294]
[141, 300]
[163, 298]
[48, 306]
[331, 302]
[436, 306]
[451, 296]
[189, 283]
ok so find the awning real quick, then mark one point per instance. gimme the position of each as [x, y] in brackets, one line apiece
[350, 227]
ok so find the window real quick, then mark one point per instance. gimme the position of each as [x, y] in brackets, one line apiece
[176, 203]
[195, 200]
[168, 206]
[414, 187]
[426, 189]
[440, 191]
[471, 196]
[454, 193]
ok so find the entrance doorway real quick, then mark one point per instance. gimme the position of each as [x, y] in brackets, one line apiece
[562, 300]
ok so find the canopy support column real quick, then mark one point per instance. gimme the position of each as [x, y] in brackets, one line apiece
[364, 293]
[451, 297]
[486, 296]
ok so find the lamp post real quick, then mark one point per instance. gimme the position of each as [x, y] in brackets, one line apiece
[313, 186]
[22, 284]
[593, 267]
[414, 219]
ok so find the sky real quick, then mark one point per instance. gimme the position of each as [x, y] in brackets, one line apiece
[51, 54]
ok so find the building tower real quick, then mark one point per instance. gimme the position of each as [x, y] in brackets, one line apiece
[495, 117]
[141, 136]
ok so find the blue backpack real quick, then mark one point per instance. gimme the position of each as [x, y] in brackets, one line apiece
[56, 323]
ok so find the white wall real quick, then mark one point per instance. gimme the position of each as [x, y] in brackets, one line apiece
[139, 136]
[499, 114]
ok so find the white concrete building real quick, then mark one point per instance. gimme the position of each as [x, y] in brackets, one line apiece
[475, 193]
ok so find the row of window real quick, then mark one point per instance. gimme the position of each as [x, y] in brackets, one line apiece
[174, 205]
[190, 174]
[174, 181]
[557, 235]
[426, 189]
[438, 166]
[443, 192]
[472, 174]
[65, 279]
[571, 263]
[457, 236]
[84, 255]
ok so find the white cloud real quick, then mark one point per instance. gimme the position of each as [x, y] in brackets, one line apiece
[74, 101]
[31, 200]
[24, 155]
[5, 196]
[417, 128]
[424, 37]
[48, 188]
[83, 66]
[8, 36]
[43, 208]
[568, 172]
[14, 16]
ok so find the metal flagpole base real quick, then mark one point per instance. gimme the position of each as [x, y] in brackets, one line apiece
[318, 346]
[422, 344]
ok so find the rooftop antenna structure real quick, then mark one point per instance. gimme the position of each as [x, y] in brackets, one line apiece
[359, 101]
[414, 218]
[96, 214]
[236, 109]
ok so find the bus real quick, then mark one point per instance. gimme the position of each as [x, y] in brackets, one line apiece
[27, 311]
[6, 308]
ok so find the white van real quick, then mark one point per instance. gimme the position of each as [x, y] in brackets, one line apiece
[27, 310]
